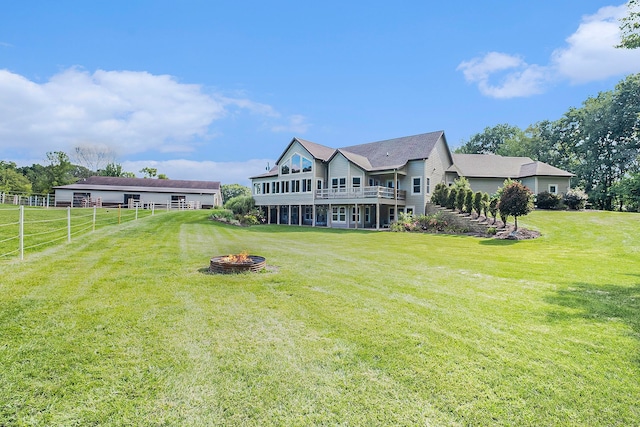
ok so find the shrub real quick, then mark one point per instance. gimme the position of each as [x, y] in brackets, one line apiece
[460, 196]
[491, 231]
[435, 222]
[546, 200]
[406, 222]
[451, 200]
[240, 205]
[575, 199]
[477, 202]
[440, 194]
[219, 214]
[468, 202]
[485, 204]
[493, 207]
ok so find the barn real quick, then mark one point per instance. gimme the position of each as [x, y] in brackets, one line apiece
[143, 192]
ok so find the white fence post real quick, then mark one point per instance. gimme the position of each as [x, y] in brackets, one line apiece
[93, 225]
[21, 232]
[136, 212]
[69, 224]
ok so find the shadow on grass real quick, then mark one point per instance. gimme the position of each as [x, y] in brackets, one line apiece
[498, 242]
[599, 303]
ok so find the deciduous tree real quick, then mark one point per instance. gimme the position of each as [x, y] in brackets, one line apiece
[515, 200]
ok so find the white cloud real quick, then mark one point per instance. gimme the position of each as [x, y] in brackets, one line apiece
[520, 79]
[589, 55]
[296, 124]
[226, 172]
[128, 111]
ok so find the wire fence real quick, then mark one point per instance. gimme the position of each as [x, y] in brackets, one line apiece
[29, 229]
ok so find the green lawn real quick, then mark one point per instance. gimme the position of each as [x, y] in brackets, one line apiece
[124, 327]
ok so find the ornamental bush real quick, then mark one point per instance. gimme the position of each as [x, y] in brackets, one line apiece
[546, 200]
[575, 199]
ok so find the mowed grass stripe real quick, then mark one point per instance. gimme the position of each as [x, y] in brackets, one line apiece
[354, 328]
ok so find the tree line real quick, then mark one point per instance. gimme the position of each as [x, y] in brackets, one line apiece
[60, 170]
[599, 142]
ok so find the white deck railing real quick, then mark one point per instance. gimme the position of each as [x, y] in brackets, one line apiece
[360, 193]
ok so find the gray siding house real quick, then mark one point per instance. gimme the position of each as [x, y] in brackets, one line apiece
[129, 192]
[367, 185]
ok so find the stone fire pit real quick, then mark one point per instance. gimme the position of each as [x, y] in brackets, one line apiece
[240, 263]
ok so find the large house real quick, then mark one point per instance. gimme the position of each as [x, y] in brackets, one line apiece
[365, 186]
[129, 192]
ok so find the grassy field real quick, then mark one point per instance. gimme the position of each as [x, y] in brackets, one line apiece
[125, 327]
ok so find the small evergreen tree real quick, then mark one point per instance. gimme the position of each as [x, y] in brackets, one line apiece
[485, 204]
[477, 202]
[468, 201]
[451, 200]
[462, 194]
[493, 207]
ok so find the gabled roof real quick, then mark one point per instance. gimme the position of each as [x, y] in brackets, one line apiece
[148, 184]
[320, 152]
[395, 153]
[496, 166]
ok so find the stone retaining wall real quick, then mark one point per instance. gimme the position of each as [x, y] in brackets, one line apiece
[460, 220]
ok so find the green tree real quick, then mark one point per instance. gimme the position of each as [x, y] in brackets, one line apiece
[515, 200]
[468, 201]
[630, 27]
[149, 172]
[229, 191]
[490, 140]
[451, 199]
[460, 197]
[493, 207]
[59, 171]
[477, 202]
[605, 134]
[485, 204]
[627, 192]
[440, 194]
[12, 181]
[115, 169]
[162, 176]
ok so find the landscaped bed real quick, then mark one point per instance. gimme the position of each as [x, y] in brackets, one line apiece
[352, 327]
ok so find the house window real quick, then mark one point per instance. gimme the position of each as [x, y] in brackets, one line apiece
[319, 184]
[339, 214]
[256, 188]
[392, 215]
[355, 214]
[306, 165]
[355, 182]
[265, 187]
[277, 187]
[284, 169]
[306, 185]
[339, 183]
[367, 214]
[295, 186]
[295, 163]
[553, 189]
[285, 186]
[416, 185]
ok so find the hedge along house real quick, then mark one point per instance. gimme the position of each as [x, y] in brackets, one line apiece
[143, 192]
[359, 186]
[367, 185]
[487, 172]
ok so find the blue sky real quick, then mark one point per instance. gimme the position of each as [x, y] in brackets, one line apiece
[215, 90]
